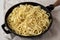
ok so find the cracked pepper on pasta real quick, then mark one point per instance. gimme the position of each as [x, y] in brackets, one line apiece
[28, 20]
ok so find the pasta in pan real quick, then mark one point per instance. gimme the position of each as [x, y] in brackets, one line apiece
[28, 20]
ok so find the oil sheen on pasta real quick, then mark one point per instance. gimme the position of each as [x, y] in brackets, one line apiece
[28, 20]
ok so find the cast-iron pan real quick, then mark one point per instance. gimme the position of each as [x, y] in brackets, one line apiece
[48, 9]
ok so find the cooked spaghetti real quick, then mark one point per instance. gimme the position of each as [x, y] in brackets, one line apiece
[28, 20]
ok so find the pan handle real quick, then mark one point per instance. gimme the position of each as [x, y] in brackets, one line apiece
[50, 7]
[5, 30]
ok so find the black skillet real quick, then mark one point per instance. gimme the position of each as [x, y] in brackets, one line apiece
[48, 9]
